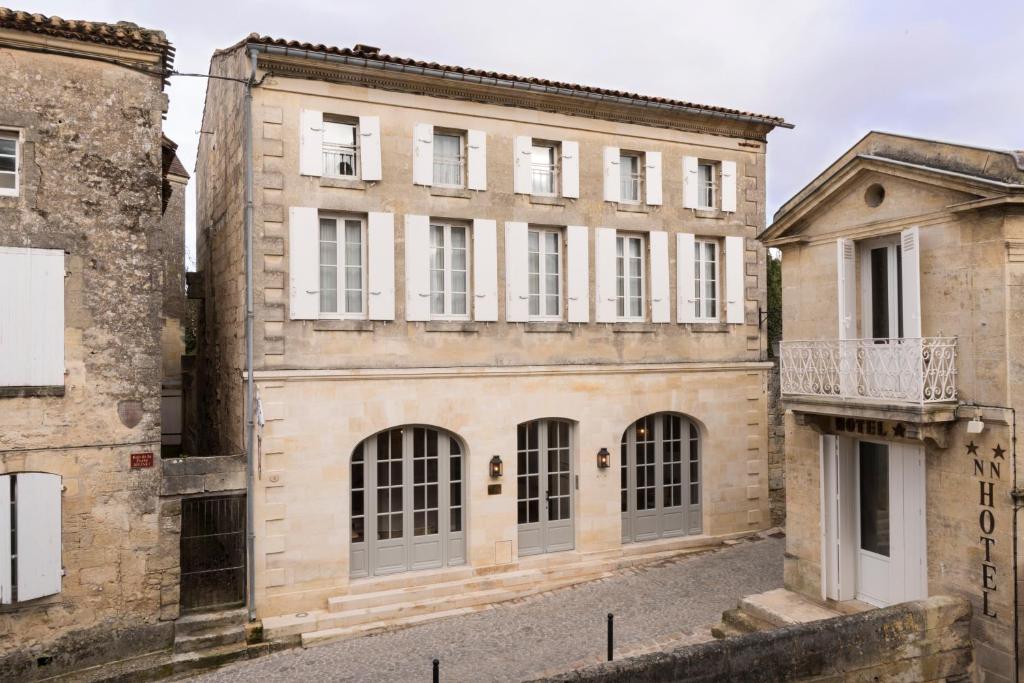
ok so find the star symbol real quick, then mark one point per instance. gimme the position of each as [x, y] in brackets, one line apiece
[972, 448]
[899, 430]
[998, 451]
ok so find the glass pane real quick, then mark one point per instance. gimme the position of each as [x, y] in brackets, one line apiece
[7, 181]
[634, 247]
[456, 520]
[8, 146]
[6, 163]
[874, 498]
[458, 238]
[339, 133]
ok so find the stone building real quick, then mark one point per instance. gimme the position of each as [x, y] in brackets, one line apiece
[88, 557]
[506, 329]
[903, 306]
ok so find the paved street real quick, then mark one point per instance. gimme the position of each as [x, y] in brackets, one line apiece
[655, 606]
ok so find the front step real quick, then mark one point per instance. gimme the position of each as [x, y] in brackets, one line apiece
[201, 622]
[209, 631]
[766, 611]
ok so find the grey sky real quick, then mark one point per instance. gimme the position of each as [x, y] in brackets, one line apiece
[931, 68]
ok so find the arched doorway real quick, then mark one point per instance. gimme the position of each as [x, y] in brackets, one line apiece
[408, 501]
[660, 478]
[544, 486]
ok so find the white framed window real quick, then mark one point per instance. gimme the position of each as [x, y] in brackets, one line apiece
[544, 169]
[449, 271]
[341, 149]
[30, 536]
[342, 269]
[707, 190]
[630, 178]
[545, 274]
[10, 149]
[705, 279]
[449, 159]
[629, 277]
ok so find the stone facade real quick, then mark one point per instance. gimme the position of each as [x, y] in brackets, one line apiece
[964, 204]
[85, 102]
[326, 385]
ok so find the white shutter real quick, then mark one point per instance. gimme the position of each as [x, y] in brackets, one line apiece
[690, 183]
[303, 263]
[661, 304]
[311, 142]
[517, 289]
[369, 147]
[37, 500]
[910, 244]
[612, 179]
[485, 270]
[417, 267]
[686, 295]
[578, 269]
[734, 280]
[5, 540]
[653, 179]
[729, 186]
[31, 317]
[604, 261]
[380, 277]
[847, 289]
[423, 154]
[522, 178]
[570, 169]
[476, 160]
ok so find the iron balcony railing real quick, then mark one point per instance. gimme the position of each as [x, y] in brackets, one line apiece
[545, 179]
[339, 160]
[915, 370]
[448, 170]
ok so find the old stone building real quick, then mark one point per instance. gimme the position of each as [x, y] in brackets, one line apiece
[903, 305]
[88, 556]
[506, 329]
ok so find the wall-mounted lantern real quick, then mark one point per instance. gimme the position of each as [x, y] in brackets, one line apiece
[496, 467]
[604, 459]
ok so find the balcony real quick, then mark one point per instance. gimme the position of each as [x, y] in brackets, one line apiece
[917, 372]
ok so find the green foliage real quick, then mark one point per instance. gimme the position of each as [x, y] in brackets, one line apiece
[774, 299]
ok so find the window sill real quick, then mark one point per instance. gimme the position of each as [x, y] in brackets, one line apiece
[540, 326]
[457, 192]
[31, 392]
[632, 208]
[634, 328]
[344, 183]
[545, 200]
[714, 327]
[713, 214]
[343, 325]
[451, 326]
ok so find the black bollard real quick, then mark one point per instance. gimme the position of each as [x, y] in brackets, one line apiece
[437, 671]
[611, 637]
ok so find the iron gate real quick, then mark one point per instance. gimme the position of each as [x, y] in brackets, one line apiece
[212, 552]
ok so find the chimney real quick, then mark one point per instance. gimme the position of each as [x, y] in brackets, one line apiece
[366, 49]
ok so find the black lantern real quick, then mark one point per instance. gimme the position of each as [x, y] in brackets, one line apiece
[496, 467]
[604, 459]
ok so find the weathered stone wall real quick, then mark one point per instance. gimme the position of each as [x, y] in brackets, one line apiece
[173, 310]
[90, 185]
[920, 641]
[776, 449]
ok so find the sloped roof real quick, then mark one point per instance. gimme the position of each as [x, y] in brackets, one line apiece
[373, 55]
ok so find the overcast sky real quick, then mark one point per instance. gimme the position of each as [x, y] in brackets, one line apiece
[933, 68]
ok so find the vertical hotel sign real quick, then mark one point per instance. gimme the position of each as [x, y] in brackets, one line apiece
[987, 471]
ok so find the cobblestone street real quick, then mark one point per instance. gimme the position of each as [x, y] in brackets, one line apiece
[656, 606]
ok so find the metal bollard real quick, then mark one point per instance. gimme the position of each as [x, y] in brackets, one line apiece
[437, 671]
[611, 634]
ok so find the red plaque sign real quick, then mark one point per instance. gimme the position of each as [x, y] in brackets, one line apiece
[142, 460]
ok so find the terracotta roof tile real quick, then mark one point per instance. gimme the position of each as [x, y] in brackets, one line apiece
[122, 34]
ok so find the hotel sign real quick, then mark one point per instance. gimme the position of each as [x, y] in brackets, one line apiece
[987, 471]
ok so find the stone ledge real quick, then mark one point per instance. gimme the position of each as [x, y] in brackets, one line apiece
[456, 192]
[712, 214]
[550, 327]
[637, 328]
[708, 327]
[343, 326]
[343, 183]
[466, 326]
[31, 392]
[632, 208]
[545, 200]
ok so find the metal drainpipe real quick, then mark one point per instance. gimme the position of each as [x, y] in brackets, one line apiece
[250, 386]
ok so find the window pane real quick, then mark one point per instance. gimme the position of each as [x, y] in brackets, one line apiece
[874, 498]
[7, 163]
[7, 181]
[339, 133]
[8, 145]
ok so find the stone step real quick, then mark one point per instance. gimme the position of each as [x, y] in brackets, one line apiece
[743, 622]
[202, 622]
[410, 579]
[341, 633]
[781, 607]
[723, 631]
[212, 638]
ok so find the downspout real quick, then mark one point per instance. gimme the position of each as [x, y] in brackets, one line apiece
[250, 386]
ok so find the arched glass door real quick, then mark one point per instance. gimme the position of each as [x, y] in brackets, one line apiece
[660, 478]
[544, 482]
[407, 502]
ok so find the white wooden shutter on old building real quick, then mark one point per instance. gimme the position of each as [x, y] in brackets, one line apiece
[369, 148]
[691, 183]
[31, 317]
[729, 186]
[303, 263]
[517, 286]
[380, 277]
[661, 302]
[846, 288]
[604, 262]
[37, 502]
[423, 154]
[485, 270]
[910, 246]
[686, 294]
[578, 268]
[311, 142]
[612, 179]
[570, 169]
[476, 160]
[417, 267]
[735, 291]
[653, 177]
[522, 169]
[6, 596]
